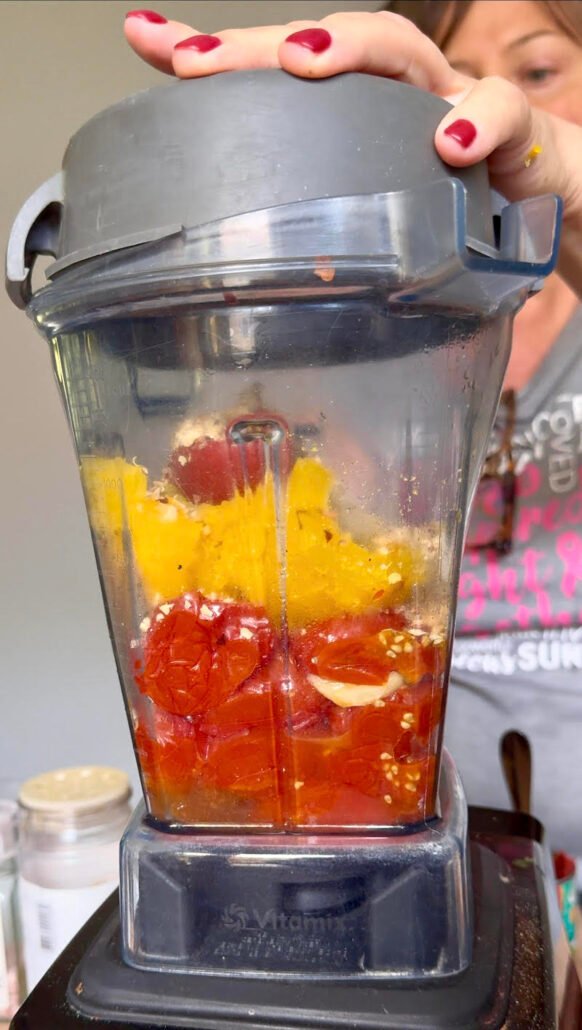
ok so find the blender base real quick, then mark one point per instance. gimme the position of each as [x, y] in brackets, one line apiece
[516, 979]
[309, 906]
[105, 987]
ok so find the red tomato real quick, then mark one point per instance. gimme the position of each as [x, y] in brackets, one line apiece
[340, 805]
[211, 470]
[244, 763]
[361, 767]
[312, 755]
[411, 790]
[372, 725]
[366, 649]
[306, 710]
[197, 652]
[168, 751]
[404, 724]
[426, 701]
[307, 646]
[276, 694]
[361, 660]
[405, 787]
[378, 759]
[296, 703]
[249, 707]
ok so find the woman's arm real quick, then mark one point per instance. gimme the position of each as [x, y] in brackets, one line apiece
[529, 152]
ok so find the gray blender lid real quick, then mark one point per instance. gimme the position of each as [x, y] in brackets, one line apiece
[198, 151]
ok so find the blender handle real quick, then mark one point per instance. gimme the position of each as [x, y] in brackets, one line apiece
[35, 231]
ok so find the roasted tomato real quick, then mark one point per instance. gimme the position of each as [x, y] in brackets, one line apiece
[197, 652]
[210, 463]
[308, 645]
[303, 709]
[167, 746]
[357, 661]
[244, 763]
[404, 787]
[365, 650]
[279, 692]
[251, 706]
[370, 759]
[239, 739]
[406, 719]
[361, 768]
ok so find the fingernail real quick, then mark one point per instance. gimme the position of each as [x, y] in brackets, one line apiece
[463, 131]
[201, 43]
[316, 40]
[152, 16]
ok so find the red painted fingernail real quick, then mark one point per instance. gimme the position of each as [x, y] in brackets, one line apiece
[463, 131]
[201, 43]
[151, 16]
[316, 40]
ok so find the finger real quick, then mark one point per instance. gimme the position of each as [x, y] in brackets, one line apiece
[492, 114]
[231, 50]
[380, 44]
[153, 37]
[494, 120]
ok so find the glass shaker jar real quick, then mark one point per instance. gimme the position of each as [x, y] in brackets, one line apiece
[11, 974]
[71, 821]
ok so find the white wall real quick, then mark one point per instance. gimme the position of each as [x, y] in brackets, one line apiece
[60, 703]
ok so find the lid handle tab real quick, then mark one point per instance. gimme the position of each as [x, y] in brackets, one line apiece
[35, 231]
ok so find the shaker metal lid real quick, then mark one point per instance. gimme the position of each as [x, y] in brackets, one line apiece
[76, 789]
[201, 150]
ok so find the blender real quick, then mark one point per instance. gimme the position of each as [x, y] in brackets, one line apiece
[280, 362]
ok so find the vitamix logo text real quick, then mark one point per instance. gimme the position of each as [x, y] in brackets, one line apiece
[236, 917]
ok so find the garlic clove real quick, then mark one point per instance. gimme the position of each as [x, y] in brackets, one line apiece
[355, 695]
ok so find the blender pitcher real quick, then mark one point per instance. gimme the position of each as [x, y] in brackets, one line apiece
[281, 365]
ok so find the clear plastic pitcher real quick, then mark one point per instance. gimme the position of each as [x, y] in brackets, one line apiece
[280, 414]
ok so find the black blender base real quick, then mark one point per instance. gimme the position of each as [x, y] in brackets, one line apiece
[509, 985]
[104, 987]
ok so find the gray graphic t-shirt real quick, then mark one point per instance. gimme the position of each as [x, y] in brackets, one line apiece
[517, 661]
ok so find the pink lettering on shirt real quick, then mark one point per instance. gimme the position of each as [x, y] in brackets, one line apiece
[569, 549]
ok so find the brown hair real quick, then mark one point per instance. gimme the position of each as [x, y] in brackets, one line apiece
[440, 19]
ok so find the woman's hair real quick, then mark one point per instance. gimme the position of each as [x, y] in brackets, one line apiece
[440, 19]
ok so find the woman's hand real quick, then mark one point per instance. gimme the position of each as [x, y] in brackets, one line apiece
[529, 152]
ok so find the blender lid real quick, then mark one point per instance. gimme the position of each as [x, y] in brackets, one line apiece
[181, 156]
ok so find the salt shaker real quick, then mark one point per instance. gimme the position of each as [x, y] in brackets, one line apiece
[11, 973]
[71, 821]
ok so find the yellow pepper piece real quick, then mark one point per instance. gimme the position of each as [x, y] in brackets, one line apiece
[329, 574]
[309, 485]
[166, 547]
[232, 549]
[164, 536]
[110, 484]
[325, 572]
[238, 554]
